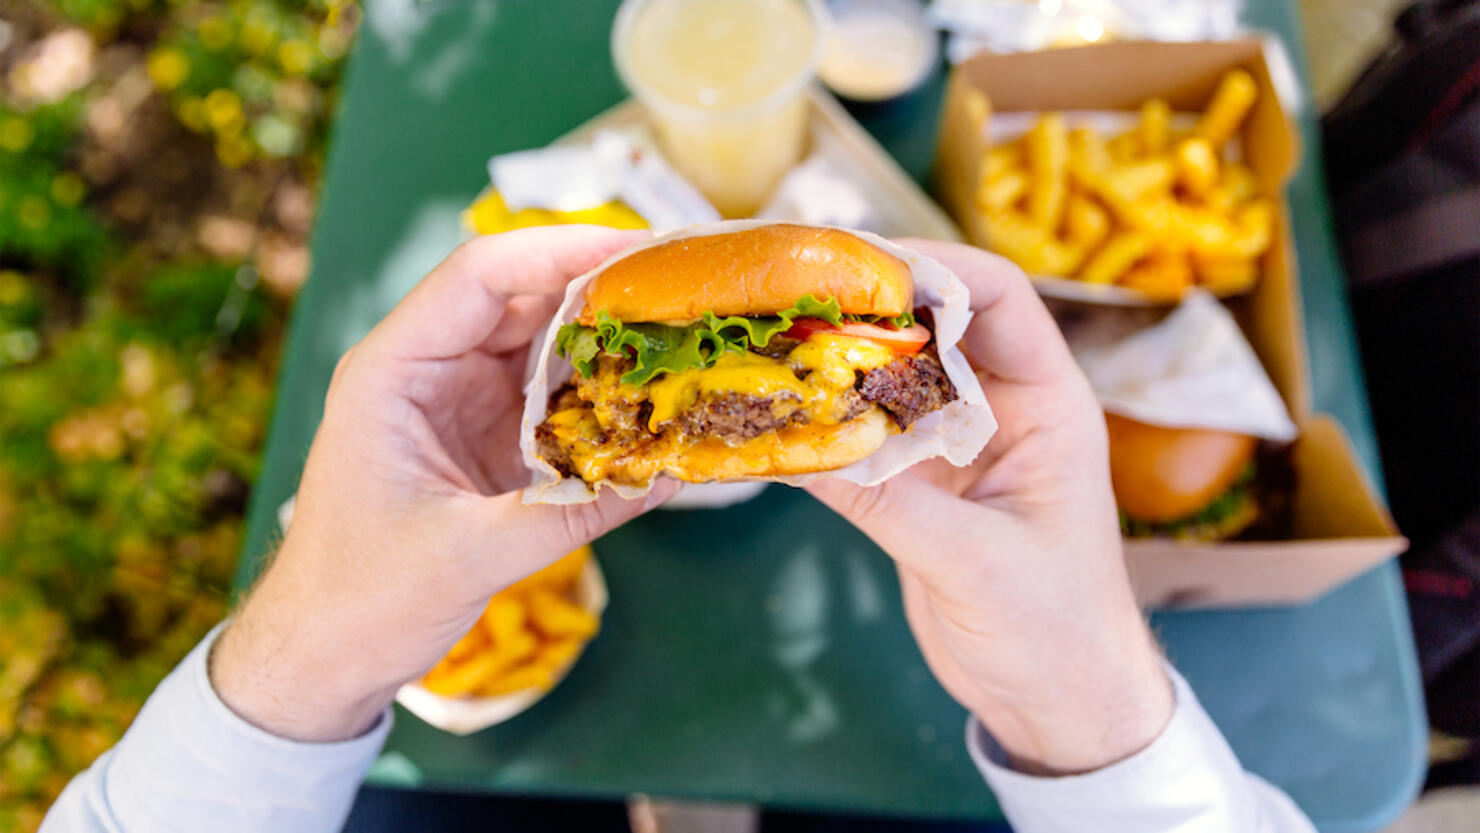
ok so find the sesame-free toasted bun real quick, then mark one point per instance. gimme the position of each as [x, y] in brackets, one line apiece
[1165, 474]
[758, 271]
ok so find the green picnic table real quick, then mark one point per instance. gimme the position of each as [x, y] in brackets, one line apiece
[760, 654]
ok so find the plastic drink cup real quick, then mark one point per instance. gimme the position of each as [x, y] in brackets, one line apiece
[725, 82]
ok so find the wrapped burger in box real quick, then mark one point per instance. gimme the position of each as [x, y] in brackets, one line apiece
[1315, 519]
[1338, 524]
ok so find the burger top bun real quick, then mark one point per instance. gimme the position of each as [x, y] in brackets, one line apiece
[757, 271]
[1164, 474]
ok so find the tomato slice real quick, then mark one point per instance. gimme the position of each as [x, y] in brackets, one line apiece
[902, 341]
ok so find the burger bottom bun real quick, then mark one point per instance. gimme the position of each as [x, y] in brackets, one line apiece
[804, 449]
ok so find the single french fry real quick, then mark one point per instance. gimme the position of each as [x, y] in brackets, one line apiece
[504, 618]
[1197, 166]
[999, 160]
[475, 640]
[1156, 126]
[1163, 274]
[1228, 108]
[556, 617]
[1000, 193]
[1154, 216]
[1225, 275]
[1126, 147]
[1089, 158]
[1030, 246]
[1200, 229]
[1086, 224]
[516, 649]
[1239, 181]
[1235, 186]
[1115, 258]
[556, 654]
[461, 678]
[1253, 229]
[1131, 181]
[1047, 151]
[518, 679]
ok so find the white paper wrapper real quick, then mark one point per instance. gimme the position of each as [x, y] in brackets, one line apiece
[1194, 369]
[615, 165]
[465, 715]
[1015, 26]
[957, 432]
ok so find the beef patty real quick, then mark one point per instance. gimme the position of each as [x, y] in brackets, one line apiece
[909, 387]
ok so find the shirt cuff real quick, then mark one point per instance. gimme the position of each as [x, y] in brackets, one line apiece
[188, 757]
[1188, 776]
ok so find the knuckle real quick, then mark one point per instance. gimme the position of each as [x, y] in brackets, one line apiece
[582, 523]
[873, 501]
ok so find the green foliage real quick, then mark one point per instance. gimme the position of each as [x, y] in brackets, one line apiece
[43, 221]
[135, 386]
[187, 304]
[251, 73]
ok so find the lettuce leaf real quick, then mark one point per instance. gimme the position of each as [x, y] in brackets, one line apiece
[661, 348]
[902, 321]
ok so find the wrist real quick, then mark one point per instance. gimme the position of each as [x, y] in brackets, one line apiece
[1106, 716]
[279, 672]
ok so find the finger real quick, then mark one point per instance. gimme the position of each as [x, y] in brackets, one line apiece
[525, 318]
[1013, 337]
[535, 536]
[459, 305]
[892, 513]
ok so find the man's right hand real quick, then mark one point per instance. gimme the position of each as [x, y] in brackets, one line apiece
[1012, 571]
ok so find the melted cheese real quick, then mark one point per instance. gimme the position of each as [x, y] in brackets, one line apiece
[829, 363]
[836, 358]
[749, 374]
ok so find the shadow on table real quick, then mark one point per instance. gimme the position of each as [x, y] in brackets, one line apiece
[380, 810]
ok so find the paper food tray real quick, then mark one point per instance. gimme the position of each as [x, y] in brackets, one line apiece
[1016, 88]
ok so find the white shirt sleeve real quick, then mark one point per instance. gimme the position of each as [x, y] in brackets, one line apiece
[1187, 780]
[189, 764]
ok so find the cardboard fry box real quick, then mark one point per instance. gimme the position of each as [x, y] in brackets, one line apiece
[1341, 527]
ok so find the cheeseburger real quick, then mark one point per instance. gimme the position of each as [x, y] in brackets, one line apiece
[774, 351]
[1185, 483]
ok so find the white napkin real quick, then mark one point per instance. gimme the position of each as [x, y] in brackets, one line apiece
[1194, 369]
[616, 165]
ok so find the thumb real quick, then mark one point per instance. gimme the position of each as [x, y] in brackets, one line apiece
[896, 512]
[532, 537]
[581, 523]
